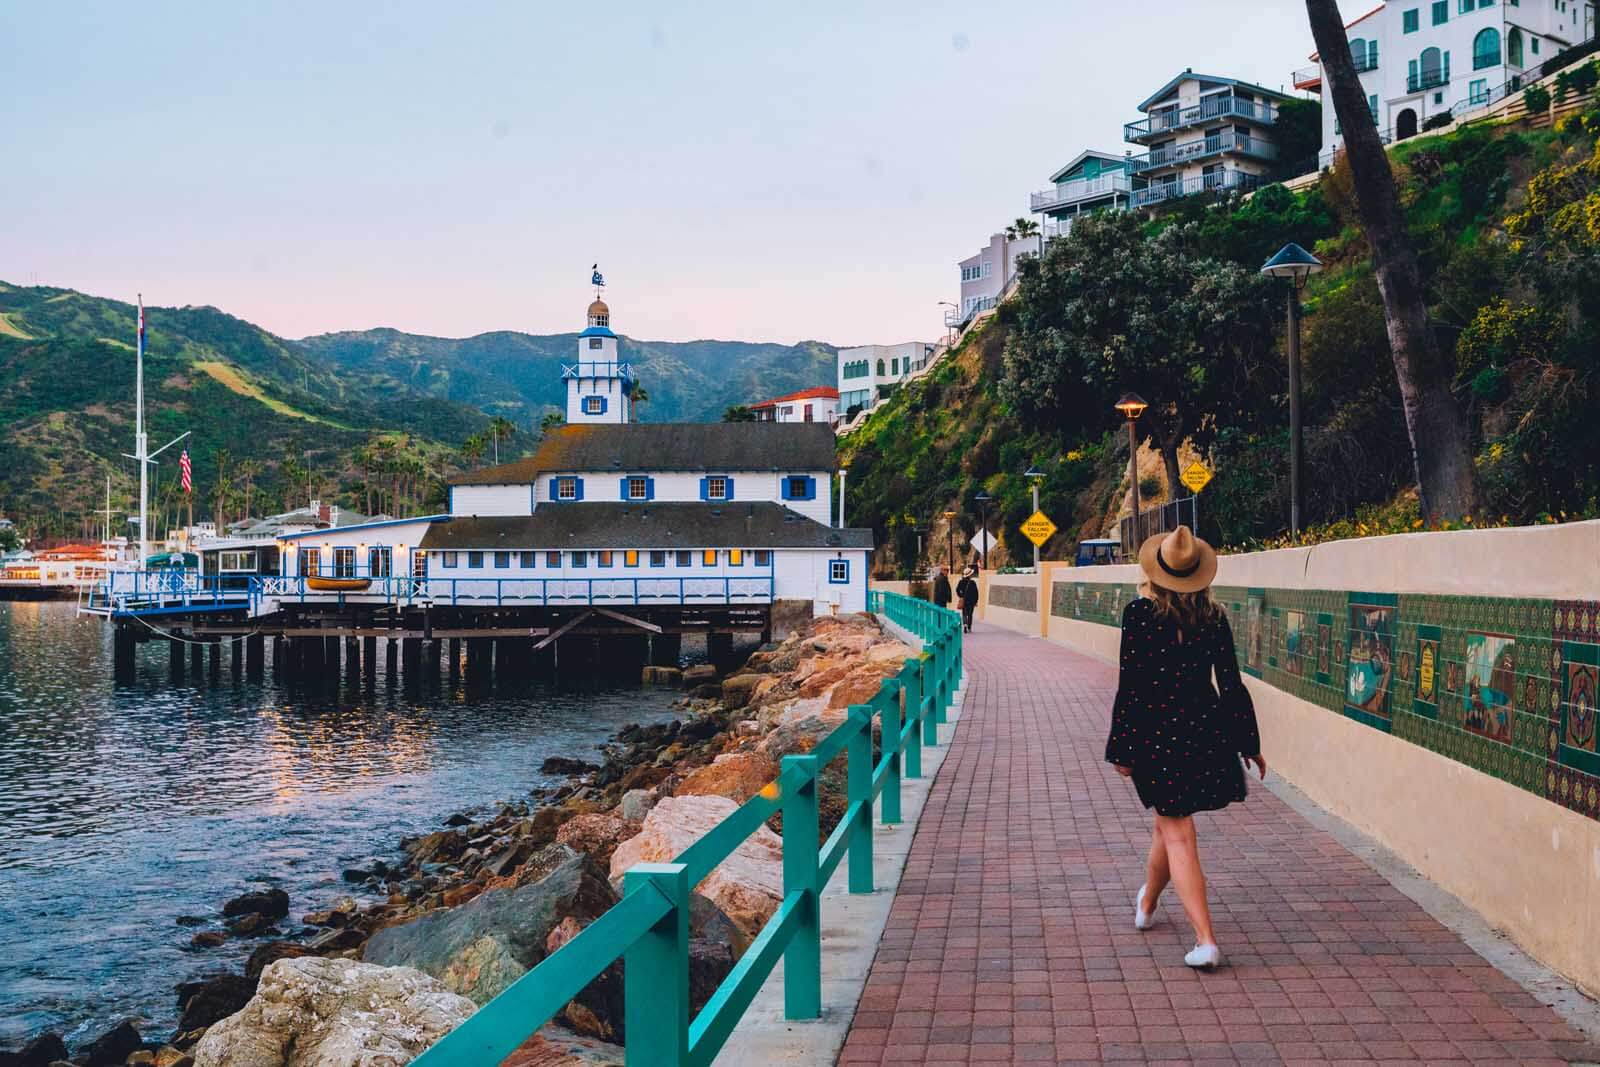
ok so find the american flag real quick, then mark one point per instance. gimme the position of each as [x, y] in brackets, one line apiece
[187, 471]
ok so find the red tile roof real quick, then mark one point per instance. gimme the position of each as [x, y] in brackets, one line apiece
[820, 392]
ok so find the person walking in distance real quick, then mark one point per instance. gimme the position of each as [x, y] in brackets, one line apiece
[941, 588]
[967, 597]
[1179, 738]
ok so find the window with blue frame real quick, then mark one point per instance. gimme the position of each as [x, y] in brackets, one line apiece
[838, 572]
[475, 560]
[763, 557]
[379, 561]
[716, 487]
[630, 557]
[310, 561]
[799, 487]
[578, 559]
[685, 558]
[1486, 49]
[658, 557]
[1408, 21]
[736, 557]
[344, 563]
[604, 557]
[637, 487]
[449, 559]
[552, 559]
[569, 488]
[594, 405]
[502, 561]
[1441, 12]
[529, 560]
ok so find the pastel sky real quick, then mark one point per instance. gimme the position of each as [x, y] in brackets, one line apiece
[745, 171]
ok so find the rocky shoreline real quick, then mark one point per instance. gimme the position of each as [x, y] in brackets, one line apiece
[471, 907]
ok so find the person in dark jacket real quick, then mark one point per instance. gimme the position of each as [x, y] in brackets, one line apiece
[1176, 736]
[967, 597]
[941, 588]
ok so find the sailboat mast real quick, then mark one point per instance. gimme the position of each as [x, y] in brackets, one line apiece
[141, 444]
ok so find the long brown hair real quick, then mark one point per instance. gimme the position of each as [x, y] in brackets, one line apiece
[1189, 611]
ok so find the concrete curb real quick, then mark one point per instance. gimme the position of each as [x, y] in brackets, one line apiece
[851, 929]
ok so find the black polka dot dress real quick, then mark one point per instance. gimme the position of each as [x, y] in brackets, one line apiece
[1182, 736]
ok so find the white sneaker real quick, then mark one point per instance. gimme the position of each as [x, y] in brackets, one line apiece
[1142, 920]
[1204, 956]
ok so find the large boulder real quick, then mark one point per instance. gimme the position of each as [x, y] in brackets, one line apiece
[747, 886]
[597, 834]
[212, 998]
[735, 775]
[111, 1048]
[270, 903]
[861, 684]
[736, 690]
[483, 946]
[40, 1052]
[554, 1047]
[334, 1013]
[699, 674]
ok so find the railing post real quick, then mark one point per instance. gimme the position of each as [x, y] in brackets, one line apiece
[656, 972]
[802, 959]
[927, 699]
[911, 710]
[889, 727]
[858, 777]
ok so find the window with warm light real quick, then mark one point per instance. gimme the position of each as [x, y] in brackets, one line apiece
[736, 557]
[708, 557]
[630, 558]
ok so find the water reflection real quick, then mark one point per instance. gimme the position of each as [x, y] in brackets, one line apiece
[123, 807]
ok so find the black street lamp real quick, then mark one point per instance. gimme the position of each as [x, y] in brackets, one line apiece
[983, 521]
[950, 537]
[1296, 264]
[1132, 405]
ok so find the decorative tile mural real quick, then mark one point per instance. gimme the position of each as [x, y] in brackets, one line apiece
[1509, 686]
[1015, 597]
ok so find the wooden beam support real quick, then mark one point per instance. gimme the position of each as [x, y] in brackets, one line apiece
[565, 627]
[629, 619]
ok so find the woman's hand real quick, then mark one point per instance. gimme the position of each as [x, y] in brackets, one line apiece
[1126, 772]
[1260, 762]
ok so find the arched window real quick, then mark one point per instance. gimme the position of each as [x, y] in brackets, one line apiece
[1486, 49]
[1431, 65]
[1514, 47]
[881, 371]
[1358, 52]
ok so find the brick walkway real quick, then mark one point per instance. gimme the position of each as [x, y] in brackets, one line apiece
[1011, 937]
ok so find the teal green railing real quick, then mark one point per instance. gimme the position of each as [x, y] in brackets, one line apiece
[649, 928]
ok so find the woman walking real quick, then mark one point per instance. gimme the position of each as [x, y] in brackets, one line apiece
[967, 597]
[1179, 738]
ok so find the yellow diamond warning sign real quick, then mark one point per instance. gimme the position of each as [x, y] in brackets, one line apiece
[1038, 528]
[1196, 476]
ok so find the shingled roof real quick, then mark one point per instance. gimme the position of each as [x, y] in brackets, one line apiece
[620, 525]
[669, 446]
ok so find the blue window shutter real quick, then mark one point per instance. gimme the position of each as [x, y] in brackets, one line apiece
[624, 489]
[579, 487]
[729, 483]
[649, 488]
[704, 492]
[783, 487]
[811, 489]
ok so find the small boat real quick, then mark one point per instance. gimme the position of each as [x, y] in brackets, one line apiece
[324, 584]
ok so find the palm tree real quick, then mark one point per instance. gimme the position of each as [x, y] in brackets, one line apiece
[551, 421]
[738, 413]
[499, 427]
[472, 448]
[1434, 419]
[637, 394]
[1022, 227]
[249, 469]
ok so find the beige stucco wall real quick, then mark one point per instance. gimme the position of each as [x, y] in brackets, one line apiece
[1528, 865]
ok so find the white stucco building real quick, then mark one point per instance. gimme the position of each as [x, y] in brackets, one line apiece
[868, 373]
[599, 385]
[1418, 59]
[818, 404]
[1202, 132]
[984, 275]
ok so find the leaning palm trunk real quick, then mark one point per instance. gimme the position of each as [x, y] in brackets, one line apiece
[1434, 419]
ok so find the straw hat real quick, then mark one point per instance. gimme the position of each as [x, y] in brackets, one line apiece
[967, 573]
[1178, 561]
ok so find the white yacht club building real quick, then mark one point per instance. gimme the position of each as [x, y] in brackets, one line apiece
[1421, 58]
[868, 373]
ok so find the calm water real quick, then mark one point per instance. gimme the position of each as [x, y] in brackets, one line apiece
[122, 808]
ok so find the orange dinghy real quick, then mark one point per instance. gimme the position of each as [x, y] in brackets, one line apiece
[323, 584]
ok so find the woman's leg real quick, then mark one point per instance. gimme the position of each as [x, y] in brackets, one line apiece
[1156, 871]
[1183, 859]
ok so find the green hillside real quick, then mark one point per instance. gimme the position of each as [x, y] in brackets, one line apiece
[374, 420]
[516, 375]
[1506, 220]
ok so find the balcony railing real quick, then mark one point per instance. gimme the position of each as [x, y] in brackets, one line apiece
[1214, 107]
[1427, 79]
[1221, 181]
[524, 592]
[1307, 78]
[598, 369]
[1216, 144]
[1065, 194]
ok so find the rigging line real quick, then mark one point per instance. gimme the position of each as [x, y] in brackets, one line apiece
[172, 635]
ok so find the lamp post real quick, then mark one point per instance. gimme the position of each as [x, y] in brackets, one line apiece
[1034, 476]
[983, 522]
[1296, 264]
[950, 538]
[947, 323]
[844, 469]
[1132, 405]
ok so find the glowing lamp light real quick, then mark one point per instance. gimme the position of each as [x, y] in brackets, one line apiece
[1131, 405]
